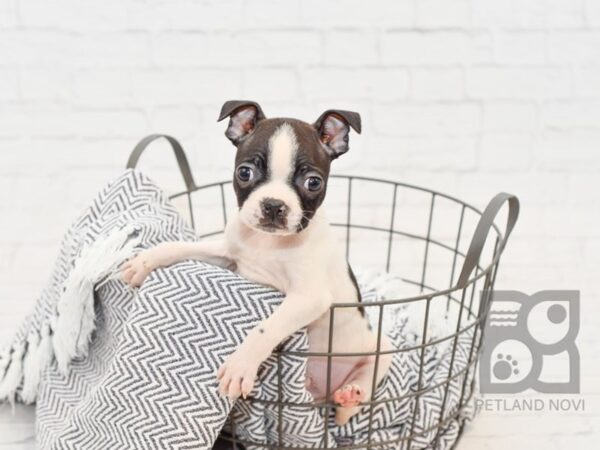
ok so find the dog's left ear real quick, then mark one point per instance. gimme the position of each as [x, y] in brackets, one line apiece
[333, 127]
[243, 117]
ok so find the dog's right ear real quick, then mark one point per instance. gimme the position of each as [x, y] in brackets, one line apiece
[243, 117]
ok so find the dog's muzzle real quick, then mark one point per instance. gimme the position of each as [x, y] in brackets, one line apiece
[274, 214]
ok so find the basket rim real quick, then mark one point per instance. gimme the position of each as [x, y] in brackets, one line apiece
[424, 296]
[352, 177]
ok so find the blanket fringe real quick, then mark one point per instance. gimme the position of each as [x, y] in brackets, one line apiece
[14, 374]
[4, 362]
[75, 323]
[29, 392]
[39, 355]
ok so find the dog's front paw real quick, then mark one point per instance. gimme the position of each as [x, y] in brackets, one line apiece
[237, 375]
[135, 271]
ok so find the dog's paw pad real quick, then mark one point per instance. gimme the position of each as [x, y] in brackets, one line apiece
[348, 395]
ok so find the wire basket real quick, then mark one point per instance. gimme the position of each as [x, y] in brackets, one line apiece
[400, 228]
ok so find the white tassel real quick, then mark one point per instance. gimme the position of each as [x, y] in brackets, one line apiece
[14, 375]
[30, 370]
[39, 355]
[4, 361]
[75, 322]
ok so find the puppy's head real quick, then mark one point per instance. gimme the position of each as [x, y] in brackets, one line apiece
[282, 165]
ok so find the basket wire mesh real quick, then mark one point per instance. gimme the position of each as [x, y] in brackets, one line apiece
[462, 287]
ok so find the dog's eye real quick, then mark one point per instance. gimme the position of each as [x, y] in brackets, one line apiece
[313, 183]
[245, 173]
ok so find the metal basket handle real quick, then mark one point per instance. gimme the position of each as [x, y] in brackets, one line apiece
[481, 233]
[182, 161]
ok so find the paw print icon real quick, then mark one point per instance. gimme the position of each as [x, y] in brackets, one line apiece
[505, 367]
[529, 343]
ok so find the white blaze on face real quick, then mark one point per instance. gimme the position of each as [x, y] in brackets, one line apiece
[283, 146]
[282, 152]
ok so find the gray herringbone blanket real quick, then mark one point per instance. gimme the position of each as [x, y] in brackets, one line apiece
[129, 369]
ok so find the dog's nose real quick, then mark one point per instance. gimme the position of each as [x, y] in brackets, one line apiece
[274, 209]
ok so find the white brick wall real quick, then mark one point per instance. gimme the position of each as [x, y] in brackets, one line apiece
[466, 96]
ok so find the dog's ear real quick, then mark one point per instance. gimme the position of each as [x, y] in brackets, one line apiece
[333, 127]
[243, 117]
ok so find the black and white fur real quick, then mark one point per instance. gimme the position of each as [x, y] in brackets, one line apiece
[281, 237]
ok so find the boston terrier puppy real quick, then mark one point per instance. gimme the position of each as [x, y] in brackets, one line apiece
[280, 237]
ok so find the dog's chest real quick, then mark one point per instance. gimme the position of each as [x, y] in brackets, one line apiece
[284, 263]
[264, 269]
